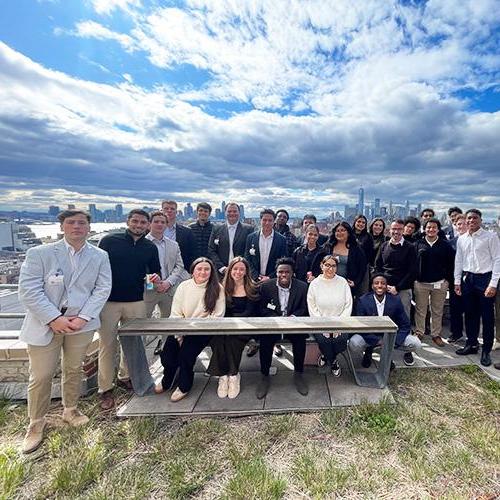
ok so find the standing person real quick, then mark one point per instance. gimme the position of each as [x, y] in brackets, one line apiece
[281, 226]
[178, 233]
[365, 242]
[450, 231]
[377, 231]
[202, 229]
[228, 240]
[435, 258]
[351, 261]
[132, 256]
[202, 296]
[283, 296]
[63, 287]
[396, 260]
[411, 231]
[456, 301]
[380, 303]
[264, 247]
[330, 295]
[242, 300]
[307, 220]
[172, 268]
[477, 270]
[305, 255]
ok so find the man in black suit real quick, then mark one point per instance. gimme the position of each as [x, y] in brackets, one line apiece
[264, 247]
[283, 296]
[228, 240]
[181, 234]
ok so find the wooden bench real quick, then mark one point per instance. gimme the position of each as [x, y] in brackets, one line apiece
[280, 325]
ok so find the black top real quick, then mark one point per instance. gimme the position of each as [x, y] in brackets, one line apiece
[436, 262]
[398, 263]
[187, 244]
[130, 262]
[377, 241]
[241, 307]
[365, 241]
[201, 235]
[304, 259]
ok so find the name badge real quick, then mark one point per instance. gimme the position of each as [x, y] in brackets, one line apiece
[271, 306]
[437, 286]
[56, 279]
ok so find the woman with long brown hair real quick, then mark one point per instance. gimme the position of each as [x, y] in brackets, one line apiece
[202, 296]
[241, 301]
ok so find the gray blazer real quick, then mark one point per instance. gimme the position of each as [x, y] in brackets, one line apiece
[46, 280]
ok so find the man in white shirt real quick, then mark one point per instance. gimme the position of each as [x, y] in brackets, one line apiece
[477, 270]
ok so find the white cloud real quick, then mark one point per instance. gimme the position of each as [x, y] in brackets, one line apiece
[91, 29]
[106, 7]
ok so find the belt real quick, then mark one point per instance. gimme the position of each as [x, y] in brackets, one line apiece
[468, 273]
[63, 310]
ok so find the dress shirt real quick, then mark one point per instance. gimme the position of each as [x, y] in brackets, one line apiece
[430, 242]
[265, 244]
[400, 242]
[284, 296]
[231, 230]
[170, 233]
[478, 253]
[162, 252]
[380, 305]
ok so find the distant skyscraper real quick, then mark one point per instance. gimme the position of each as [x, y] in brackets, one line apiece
[71, 206]
[242, 212]
[119, 211]
[54, 210]
[93, 212]
[218, 214]
[376, 208]
[407, 208]
[391, 211]
[361, 200]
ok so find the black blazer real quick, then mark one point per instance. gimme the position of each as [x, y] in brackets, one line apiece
[301, 267]
[252, 254]
[269, 304]
[218, 244]
[187, 243]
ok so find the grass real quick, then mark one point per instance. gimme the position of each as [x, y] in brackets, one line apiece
[440, 439]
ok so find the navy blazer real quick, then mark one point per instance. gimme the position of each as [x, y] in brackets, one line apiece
[252, 253]
[393, 308]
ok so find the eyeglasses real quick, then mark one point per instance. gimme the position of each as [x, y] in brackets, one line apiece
[329, 266]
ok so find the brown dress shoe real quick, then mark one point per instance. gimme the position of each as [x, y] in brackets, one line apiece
[438, 341]
[74, 417]
[34, 436]
[107, 400]
[125, 384]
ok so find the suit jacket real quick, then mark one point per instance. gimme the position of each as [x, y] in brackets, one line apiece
[252, 254]
[46, 280]
[187, 243]
[297, 302]
[218, 244]
[393, 308]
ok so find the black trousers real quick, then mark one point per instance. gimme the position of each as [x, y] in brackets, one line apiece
[226, 354]
[182, 357]
[478, 308]
[267, 342]
[456, 314]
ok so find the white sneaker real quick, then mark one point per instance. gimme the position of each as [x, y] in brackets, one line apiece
[223, 386]
[496, 346]
[234, 386]
[177, 395]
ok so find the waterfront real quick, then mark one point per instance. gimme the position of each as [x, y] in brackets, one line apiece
[52, 230]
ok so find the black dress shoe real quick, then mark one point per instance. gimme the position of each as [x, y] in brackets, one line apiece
[454, 338]
[485, 359]
[367, 358]
[263, 386]
[468, 349]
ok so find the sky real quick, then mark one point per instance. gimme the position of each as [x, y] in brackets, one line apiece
[270, 103]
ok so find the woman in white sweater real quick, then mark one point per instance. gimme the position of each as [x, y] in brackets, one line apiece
[199, 297]
[330, 295]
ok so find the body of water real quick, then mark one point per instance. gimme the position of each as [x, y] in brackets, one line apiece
[52, 230]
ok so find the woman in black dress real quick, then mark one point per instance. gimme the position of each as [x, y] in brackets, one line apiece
[377, 232]
[241, 301]
[305, 254]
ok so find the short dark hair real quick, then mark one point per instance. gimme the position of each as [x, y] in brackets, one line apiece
[156, 213]
[377, 275]
[310, 216]
[427, 210]
[412, 220]
[138, 211]
[434, 221]
[267, 211]
[61, 216]
[285, 261]
[204, 205]
[282, 210]
[474, 211]
[169, 202]
[398, 221]
[231, 203]
[457, 210]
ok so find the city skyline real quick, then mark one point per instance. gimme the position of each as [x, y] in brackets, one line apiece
[280, 104]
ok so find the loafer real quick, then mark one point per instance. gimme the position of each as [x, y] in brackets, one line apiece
[34, 436]
[468, 349]
[263, 387]
[252, 350]
[367, 357]
[454, 338]
[497, 366]
[74, 417]
[233, 387]
[408, 359]
[177, 395]
[278, 350]
[485, 359]
[438, 341]
[107, 400]
[336, 369]
[300, 383]
[223, 386]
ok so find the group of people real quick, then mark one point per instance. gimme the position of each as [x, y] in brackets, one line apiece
[70, 289]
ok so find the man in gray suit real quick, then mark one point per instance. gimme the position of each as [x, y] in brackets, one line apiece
[172, 267]
[63, 287]
[228, 240]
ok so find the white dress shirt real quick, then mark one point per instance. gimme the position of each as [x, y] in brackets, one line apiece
[162, 252]
[478, 253]
[380, 305]
[265, 244]
[284, 296]
[231, 231]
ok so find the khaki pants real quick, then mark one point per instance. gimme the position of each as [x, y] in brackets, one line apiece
[162, 300]
[424, 292]
[112, 314]
[43, 363]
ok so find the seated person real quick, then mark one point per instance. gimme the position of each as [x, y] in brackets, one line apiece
[380, 303]
[283, 296]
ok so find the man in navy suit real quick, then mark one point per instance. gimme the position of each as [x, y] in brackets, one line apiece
[265, 247]
[380, 303]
